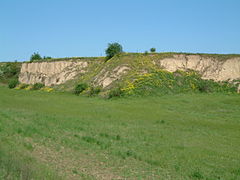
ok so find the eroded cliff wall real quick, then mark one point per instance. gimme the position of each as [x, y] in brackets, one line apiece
[208, 67]
[55, 73]
[51, 73]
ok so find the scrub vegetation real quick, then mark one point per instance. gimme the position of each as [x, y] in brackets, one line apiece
[9, 71]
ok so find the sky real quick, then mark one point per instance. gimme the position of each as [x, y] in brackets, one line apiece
[73, 28]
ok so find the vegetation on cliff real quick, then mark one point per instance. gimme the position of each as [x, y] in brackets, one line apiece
[162, 82]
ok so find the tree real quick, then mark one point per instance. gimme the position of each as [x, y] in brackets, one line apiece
[153, 50]
[47, 57]
[113, 49]
[35, 56]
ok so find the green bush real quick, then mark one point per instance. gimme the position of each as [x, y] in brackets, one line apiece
[117, 92]
[113, 49]
[37, 86]
[35, 57]
[23, 86]
[204, 86]
[153, 50]
[94, 91]
[47, 57]
[13, 83]
[80, 88]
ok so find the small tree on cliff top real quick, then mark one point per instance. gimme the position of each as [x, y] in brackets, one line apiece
[113, 49]
[35, 56]
[153, 50]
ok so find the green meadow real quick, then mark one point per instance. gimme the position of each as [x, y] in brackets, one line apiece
[62, 136]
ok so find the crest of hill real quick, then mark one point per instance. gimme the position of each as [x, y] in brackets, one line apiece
[220, 57]
[68, 59]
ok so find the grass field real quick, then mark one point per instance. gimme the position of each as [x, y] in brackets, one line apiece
[61, 136]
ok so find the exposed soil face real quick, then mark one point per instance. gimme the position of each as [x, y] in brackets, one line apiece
[106, 78]
[51, 73]
[209, 68]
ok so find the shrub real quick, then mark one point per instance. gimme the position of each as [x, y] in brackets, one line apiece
[22, 86]
[94, 91]
[113, 49]
[80, 88]
[37, 86]
[204, 86]
[35, 56]
[29, 87]
[13, 83]
[47, 57]
[47, 89]
[153, 50]
[117, 92]
[146, 53]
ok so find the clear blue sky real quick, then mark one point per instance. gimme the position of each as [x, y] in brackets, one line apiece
[67, 28]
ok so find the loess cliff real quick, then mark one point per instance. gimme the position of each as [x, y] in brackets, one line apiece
[105, 74]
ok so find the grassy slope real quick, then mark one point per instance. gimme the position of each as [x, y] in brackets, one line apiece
[68, 59]
[169, 137]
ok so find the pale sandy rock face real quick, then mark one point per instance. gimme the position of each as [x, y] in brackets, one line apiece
[51, 73]
[209, 68]
[105, 78]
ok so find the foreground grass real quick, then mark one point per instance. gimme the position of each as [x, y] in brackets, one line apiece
[188, 136]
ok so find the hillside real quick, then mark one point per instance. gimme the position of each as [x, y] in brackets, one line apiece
[128, 70]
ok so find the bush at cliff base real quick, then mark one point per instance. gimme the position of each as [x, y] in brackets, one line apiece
[79, 88]
[47, 89]
[21, 86]
[13, 83]
[38, 86]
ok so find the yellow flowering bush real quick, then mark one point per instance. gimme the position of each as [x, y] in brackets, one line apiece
[129, 88]
[21, 86]
[30, 87]
[164, 82]
[47, 89]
